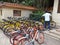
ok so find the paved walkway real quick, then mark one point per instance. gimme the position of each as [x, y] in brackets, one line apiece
[3, 39]
[51, 41]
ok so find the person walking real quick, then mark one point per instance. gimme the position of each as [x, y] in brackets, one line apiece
[47, 16]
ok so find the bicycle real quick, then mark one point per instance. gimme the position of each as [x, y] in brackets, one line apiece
[16, 37]
[20, 40]
[10, 26]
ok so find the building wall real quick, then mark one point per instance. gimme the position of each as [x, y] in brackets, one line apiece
[25, 13]
[8, 12]
[0, 13]
[55, 15]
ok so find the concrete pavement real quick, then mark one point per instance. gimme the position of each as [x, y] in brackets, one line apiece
[4, 40]
[51, 41]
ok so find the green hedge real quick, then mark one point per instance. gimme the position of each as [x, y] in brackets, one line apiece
[36, 15]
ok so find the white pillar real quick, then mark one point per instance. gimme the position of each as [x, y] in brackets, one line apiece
[55, 15]
[55, 7]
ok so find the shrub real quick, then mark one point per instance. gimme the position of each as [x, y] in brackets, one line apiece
[36, 15]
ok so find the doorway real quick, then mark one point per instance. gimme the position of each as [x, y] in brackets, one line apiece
[50, 5]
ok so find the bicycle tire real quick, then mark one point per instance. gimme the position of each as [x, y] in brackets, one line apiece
[14, 38]
[11, 40]
[21, 41]
[6, 32]
[53, 24]
[26, 42]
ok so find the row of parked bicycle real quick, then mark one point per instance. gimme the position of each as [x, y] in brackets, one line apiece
[12, 23]
[20, 29]
[13, 28]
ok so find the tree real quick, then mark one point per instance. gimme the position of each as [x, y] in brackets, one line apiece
[12, 1]
[37, 3]
[41, 4]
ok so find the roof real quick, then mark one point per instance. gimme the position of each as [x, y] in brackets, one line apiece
[15, 5]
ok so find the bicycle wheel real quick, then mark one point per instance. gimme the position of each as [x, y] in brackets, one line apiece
[5, 26]
[53, 24]
[25, 41]
[14, 37]
[22, 41]
[7, 31]
[11, 40]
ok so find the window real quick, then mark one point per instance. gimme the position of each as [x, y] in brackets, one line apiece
[59, 7]
[16, 12]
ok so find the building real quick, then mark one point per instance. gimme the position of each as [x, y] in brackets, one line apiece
[56, 12]
[18, 10]
[54, 7]
[14, 10]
